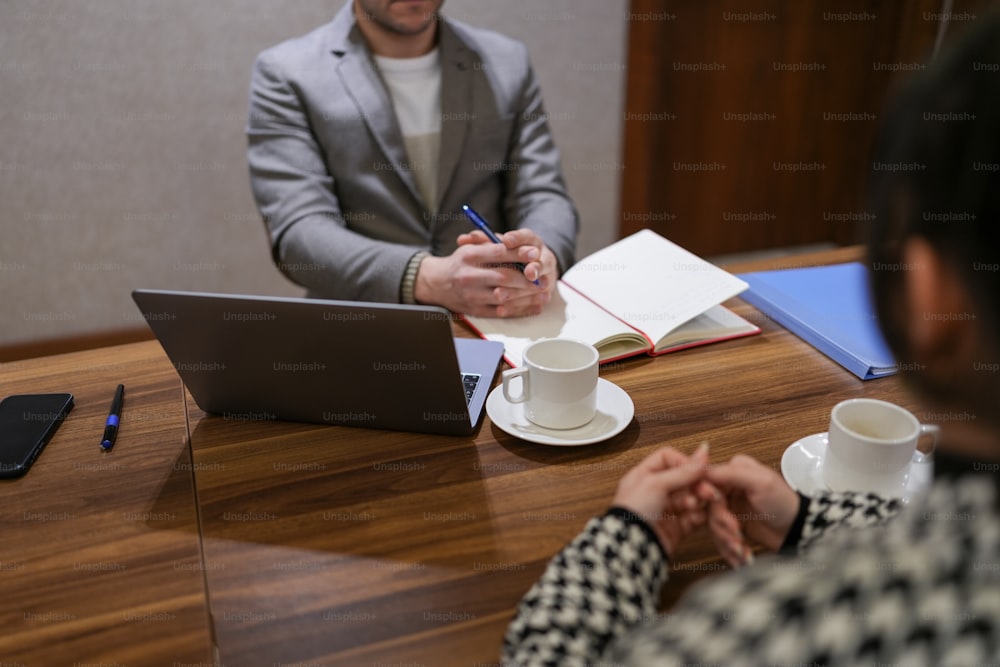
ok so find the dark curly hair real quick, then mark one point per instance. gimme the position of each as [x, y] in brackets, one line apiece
[936, 175]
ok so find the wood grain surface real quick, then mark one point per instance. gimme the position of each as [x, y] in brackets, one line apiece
[753, 126]
[331, 545]
[328, 545]
[99, 556]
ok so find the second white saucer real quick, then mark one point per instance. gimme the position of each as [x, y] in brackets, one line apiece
[802, 468]
[614, 412]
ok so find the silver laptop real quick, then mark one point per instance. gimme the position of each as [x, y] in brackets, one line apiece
[330, 362]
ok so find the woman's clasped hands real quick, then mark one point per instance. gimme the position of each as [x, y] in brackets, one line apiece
[742, 502]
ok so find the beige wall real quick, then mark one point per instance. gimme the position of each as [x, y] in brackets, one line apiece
[122, 159]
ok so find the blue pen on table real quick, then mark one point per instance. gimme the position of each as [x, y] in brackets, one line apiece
[484, 227]
[114, 415]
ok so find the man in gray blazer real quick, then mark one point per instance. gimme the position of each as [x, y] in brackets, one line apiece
[352, 215]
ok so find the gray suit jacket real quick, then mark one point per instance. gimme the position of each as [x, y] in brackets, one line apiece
[329, 168]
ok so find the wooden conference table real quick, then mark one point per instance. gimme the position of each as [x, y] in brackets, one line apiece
[100, 559]
[330, 545]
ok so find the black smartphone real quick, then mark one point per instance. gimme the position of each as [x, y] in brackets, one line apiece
[27, 422]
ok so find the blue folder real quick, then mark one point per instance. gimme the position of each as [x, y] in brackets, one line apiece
[830, 308]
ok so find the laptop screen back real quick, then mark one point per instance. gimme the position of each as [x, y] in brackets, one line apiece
[357, 364]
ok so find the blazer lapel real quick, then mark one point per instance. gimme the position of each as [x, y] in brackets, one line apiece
[456, 103]
[357, 72]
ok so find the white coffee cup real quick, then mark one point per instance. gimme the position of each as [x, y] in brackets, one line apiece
[558, 383]
[872, 445]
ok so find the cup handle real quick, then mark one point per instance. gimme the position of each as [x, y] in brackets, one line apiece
[934, 432]
[508, 377]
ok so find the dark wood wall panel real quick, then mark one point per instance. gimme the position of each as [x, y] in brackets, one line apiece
[749, 124]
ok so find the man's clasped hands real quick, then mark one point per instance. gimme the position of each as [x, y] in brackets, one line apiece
[742, 501]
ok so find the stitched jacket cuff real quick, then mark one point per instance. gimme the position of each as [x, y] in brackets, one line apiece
[791, 543]
[409, 282]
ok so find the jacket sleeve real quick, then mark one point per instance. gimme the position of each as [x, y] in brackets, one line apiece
[295, 193]
[828, 512]
[605, 582]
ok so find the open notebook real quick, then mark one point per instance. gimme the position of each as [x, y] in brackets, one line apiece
[642, 294]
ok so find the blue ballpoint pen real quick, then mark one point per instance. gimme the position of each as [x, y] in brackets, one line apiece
[111, 426]
[484, 227]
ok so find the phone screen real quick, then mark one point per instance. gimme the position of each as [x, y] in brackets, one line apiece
[27, 421]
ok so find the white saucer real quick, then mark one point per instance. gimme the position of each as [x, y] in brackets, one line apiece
[614, 413]
[802, 467]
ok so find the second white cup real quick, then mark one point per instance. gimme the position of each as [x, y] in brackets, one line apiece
[558, 383]
[872, 445]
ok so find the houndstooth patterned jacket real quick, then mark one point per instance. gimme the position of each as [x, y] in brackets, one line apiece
[924, 589]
